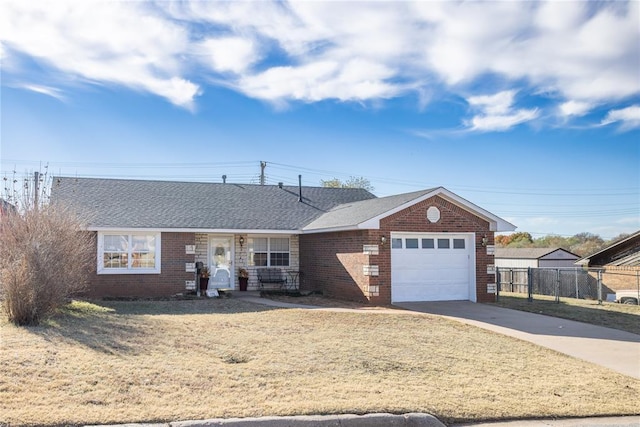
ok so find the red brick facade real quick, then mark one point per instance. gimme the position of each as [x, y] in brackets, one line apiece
[171, 281]
[333, 262]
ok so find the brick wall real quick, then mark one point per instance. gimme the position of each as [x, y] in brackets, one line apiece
[333, 262]
[620, 278]
[170, 282]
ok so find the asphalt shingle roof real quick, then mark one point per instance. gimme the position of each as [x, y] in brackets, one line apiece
[122, 203]
[352, 214]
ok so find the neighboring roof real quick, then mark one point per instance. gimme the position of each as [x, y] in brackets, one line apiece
[367, 214]
[622, 252]
[122, 203]
[530, 253]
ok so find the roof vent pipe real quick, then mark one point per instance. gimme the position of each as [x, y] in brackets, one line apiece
[299, 188]
[224, 179]
[280, 184]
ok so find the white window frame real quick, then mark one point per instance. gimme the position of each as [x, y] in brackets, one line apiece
[129, 269]
[269, 250]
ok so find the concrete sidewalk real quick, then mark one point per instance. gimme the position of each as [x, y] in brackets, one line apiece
[633, 421]
[385, 420]
[611, 348]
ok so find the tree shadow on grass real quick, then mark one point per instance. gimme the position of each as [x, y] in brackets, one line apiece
[93, 326]
[124, 327]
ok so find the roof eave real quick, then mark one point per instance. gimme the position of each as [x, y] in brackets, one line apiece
[496, 223]
[193, 230]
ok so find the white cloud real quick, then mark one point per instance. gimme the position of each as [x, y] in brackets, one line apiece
[103, 42]
[629, 118]
[45, 90]
[578, 55]
[229, 54]
[356, 80]
[500, 103]
[497, 113]
[574, 108]
[502, 122]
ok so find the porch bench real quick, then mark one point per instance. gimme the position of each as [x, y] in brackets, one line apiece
[272, 276]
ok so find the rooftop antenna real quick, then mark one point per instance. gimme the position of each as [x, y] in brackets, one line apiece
[299, 188]
[224, 179]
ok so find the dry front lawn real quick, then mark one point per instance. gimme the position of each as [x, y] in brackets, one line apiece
[116, 362]
[625, 317]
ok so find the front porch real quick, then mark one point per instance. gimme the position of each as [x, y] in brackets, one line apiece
[225, 254]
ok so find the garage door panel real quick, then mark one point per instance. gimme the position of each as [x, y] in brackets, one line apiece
[431, 274]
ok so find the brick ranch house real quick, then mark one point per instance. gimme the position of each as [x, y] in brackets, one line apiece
[424, 245]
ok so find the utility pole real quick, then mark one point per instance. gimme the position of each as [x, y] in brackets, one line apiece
[262, 166]
[36, 189]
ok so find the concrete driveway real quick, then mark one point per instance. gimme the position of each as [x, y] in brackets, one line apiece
[611, 348]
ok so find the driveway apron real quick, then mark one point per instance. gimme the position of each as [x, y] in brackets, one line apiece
[611, 348]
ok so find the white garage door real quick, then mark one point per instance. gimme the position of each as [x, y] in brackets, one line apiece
[431, 267]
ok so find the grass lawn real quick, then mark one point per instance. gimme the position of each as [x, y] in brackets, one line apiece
[625, 317]
[141, 361]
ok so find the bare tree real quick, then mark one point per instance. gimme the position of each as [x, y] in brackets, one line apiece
[45, 259]
[352, 182]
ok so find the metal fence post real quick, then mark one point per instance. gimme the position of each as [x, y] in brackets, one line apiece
[529, 285]
[557, 285]
[577, 290]
[600, 287]
[497, 284]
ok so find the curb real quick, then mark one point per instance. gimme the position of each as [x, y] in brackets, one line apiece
[347, 420]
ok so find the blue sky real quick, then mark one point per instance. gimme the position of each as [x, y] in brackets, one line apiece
[529, 109]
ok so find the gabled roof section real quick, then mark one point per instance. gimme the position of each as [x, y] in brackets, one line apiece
[168, 205]
[622, 252]
[367, 214]
[531, 253]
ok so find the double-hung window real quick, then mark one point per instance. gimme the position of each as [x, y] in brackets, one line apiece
[269, 251]
[128, 253]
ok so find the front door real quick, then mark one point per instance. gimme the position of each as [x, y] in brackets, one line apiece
[220, 262]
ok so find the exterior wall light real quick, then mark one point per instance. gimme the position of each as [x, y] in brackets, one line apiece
[241, 241]
[383, 240]
[485, 240]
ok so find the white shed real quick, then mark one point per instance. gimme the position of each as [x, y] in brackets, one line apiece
[534, 257]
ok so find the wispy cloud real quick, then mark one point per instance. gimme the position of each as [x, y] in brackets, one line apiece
[574, 108]
[102, 42]
[628, 118]
[46, 90]
[496, 112]
[581, 55]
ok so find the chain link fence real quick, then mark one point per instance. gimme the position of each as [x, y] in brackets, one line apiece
[563, 282]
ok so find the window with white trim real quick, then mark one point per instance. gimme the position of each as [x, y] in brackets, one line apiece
[269, 251]
[128, 253]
